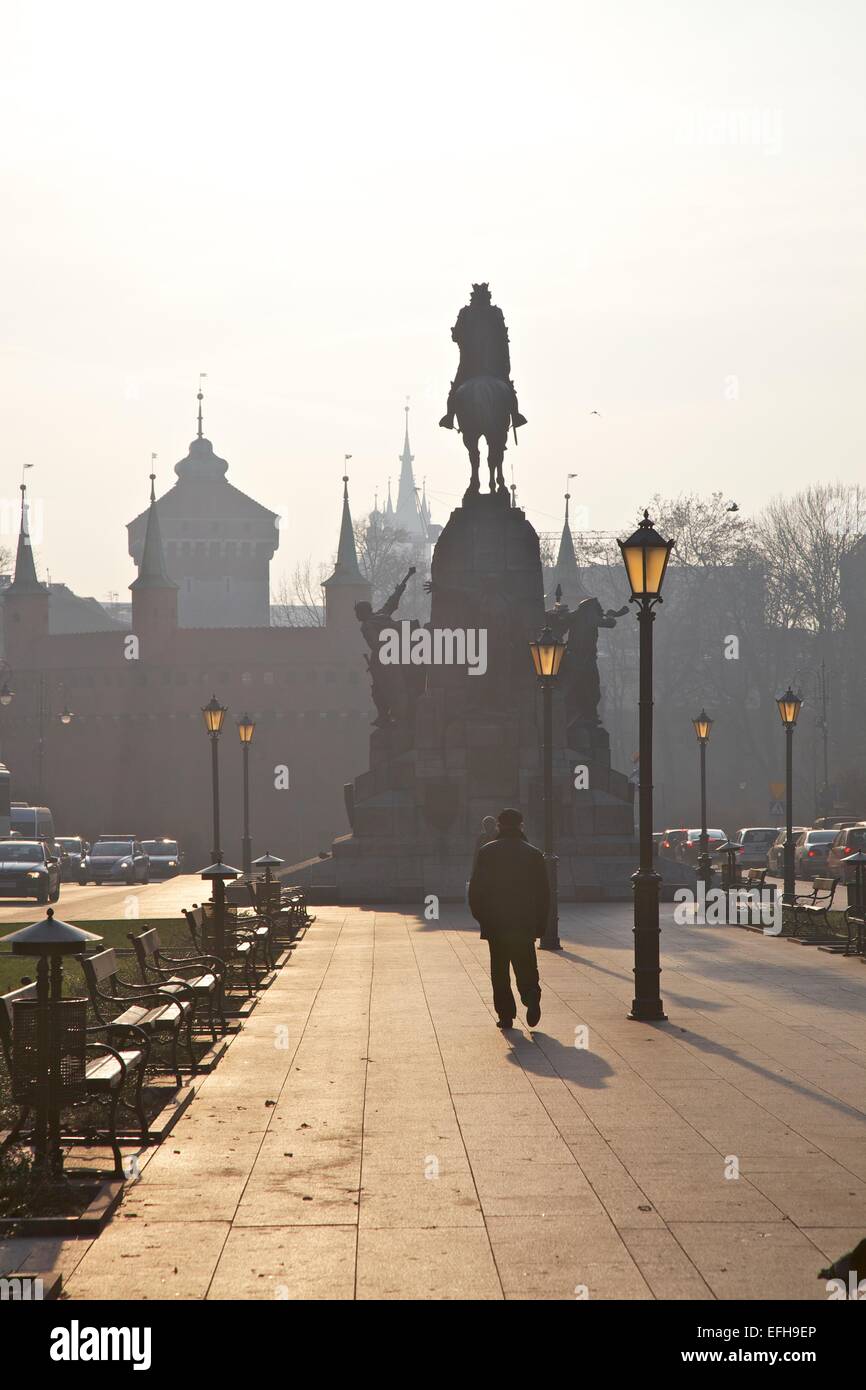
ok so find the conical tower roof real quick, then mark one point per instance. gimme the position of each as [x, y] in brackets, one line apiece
[25, 580]
[152, 573]
[566, 570]
[346, 570]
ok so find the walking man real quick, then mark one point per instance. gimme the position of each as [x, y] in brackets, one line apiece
[509, 898]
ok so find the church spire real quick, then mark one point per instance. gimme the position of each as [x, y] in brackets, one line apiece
[152, 573]
[25, 580]
[406, 516]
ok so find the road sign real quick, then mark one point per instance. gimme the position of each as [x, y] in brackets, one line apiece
[777, 810]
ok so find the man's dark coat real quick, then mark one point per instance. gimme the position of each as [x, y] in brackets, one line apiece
[508, 891]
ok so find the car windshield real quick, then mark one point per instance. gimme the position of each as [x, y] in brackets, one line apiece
[20, 852]
[159, 846]
[821, 837]
[761, 837]
[112, 847]
[68, 842]
[857, 837]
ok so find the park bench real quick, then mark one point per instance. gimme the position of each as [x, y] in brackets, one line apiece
[104, 1075]
[855, 927]
[754, 878]
[259, 927]
[283, 910]
[156, 1012]
[814, 908]
[239, 949]
[203, 975]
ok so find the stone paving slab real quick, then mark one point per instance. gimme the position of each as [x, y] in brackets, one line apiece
[371, 1134]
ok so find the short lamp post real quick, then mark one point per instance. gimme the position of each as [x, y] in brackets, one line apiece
[49, 1034]
[217, 875]
[702, 723]
[213, 714]
[645, 555]
[246, 729]
[789, 706]
[547, 651]
[268, 862]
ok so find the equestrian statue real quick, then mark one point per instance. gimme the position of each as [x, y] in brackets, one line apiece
[483, 397]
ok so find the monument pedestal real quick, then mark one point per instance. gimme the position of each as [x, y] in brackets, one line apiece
[471, 743]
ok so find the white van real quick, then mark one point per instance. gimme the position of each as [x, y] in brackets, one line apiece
[31, 822]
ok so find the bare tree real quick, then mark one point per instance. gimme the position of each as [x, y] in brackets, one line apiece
[381, 553]
[299, 599]
[706, 532]
[803, 540]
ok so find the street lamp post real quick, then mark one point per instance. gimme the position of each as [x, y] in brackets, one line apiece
[789, 706]
[213, 714]
[547, 653]
[645, 555]
[702, 724]
[246, 729]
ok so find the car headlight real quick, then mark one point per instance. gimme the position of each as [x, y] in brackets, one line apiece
[172, 863]
[125, 864]
[35, 873]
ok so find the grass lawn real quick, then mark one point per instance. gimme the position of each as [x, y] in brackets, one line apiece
[173, 934]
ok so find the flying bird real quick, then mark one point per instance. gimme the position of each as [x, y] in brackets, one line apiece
[596, 412]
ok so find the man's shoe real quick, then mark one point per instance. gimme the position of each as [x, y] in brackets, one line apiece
[447, 422]
[533, 1014]
[505, 1023]
[517, 419]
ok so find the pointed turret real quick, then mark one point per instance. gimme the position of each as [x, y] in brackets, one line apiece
[346, 570]
[346, 586]
[566, 571]
[154, 593]
[25, 601]
[25, 580]
[152, 573]
[389, 508]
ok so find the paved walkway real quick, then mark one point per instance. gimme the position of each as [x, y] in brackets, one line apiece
[371, 1134]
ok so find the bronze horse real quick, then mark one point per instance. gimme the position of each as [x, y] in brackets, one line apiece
[483, 409]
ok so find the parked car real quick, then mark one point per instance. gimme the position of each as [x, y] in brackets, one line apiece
[29, 869]
[73, 856]
[118, 861]
[753, 845]
[851, 840]
[671, 840]
[690, 847]
[166, 857]
[776, 852]
[811, 851]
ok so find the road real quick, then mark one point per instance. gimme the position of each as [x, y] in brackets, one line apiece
[103, 903]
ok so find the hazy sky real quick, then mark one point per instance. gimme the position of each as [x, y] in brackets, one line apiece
[667, 199]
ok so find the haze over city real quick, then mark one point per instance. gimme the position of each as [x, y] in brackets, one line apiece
[669, 214]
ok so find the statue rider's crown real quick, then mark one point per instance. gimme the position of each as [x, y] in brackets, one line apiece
[481, 291]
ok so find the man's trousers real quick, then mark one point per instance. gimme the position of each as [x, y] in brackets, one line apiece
[513, 950]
